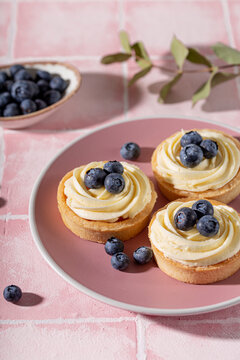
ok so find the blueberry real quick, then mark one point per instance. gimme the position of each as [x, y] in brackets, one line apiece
[43, 85]
[113, 167]
[208, 225]
[15, 68]
[11, 109]
[28, 106]
[202, 207]
[3, 76]
[22, 89]
[114, 183]
[35, 88]
[191, 137]
[113, 246]
[22, 74]
[191, 155]
[57, 83]
[51, 96]
[130, 151]
[143, 255]
[40, 104]
[120, 261]
[8, 85]
[44, 75]
[94, 178]
[209, 148]
[185, 218]
[12, 293]
[5, 98]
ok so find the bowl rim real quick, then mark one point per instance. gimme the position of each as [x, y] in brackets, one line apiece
[53, 106]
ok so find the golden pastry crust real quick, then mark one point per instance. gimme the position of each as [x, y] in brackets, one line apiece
[100, 231]
[195, 274]
[225, 194]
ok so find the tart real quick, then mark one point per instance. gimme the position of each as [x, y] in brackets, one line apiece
[189, 256]
[96, 214]
[213, 178]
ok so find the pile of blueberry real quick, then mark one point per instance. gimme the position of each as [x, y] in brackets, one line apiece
[110, 177]
[23, 91]
[120, 260]
[201, 214]
[194, 149]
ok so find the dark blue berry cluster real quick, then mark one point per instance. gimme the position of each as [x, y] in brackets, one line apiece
[120, 260]
[24, 90]
[110, 177]
[201, 214]
[194, 149]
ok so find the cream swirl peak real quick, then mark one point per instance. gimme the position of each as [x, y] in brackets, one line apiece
[101, 205]
[190, 247]
[209, 174]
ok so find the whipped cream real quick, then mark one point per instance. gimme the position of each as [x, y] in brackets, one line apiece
[190, 247]
[209, 174]
[101, 205]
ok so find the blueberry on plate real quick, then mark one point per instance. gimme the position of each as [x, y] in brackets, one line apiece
[209, 148]
[191, 137]
[57, 83]
[208, 225]
[185, 218]
[23, 74]
[15, 68]
[11, 109]
[130, 151]
[3, 76]
[114, 183]
[203, 207]
[40, 104]
[113, 167]
[43, 85]
[44, 75]
[191, 155]
[113, 246]
[51, 96]
[12, 293]
[5, 98]
[143, 255]
[28, 106]
[120, 261]
[94, 178]
[22, 89]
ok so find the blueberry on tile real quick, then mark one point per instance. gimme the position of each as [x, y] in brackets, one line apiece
[113, 246]
[120, 261]
[185, 219]
[12, 293]
[94, 178]
[209, 148]
[203, 207]
[143, 255]
[208, 225]
[191, 155]
[113, 167]
[114, 183]
[191, 137]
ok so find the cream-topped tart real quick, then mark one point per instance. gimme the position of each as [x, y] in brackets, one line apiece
[96, 213]
[217, 177]
[193, 255]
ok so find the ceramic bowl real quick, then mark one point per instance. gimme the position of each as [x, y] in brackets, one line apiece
[66, 71]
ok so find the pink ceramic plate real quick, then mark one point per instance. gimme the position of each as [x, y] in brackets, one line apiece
[85, 264]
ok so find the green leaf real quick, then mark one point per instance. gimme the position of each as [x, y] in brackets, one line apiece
[143, 64]
[195, 57]
[204, 90]
[229, 55]
[179, 52]
[125, 42]
[167, 87]
[140, 51]
[139, 75]
[222, 77]
[119, 57]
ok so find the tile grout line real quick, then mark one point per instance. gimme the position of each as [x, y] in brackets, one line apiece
[141, 338]
[60, 321]
[9, 216]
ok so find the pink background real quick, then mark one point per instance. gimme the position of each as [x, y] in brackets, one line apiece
[63, 323]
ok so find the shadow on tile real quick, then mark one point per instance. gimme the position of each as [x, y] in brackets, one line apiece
[30, 299]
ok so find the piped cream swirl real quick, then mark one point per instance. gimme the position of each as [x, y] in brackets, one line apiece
[99, 204]
[190, 247]
[209, 174]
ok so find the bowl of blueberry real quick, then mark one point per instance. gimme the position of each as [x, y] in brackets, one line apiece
[31, 91]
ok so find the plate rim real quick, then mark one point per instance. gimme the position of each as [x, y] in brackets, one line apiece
[84, 289]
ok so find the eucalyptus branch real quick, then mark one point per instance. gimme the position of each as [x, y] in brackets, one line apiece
[181, 54]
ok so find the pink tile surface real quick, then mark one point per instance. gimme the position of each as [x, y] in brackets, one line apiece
[5, 27]
[66, 28]
[49, 295]
[234, 10]
[65, 341]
